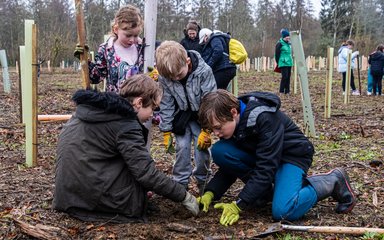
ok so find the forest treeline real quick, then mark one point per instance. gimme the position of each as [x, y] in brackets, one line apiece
[256, 24]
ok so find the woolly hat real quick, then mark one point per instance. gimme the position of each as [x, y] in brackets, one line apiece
[204, 32]
[284, 33]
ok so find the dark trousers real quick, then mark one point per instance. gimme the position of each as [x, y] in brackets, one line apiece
[352, 81]
[285, 79]
[377, 83]
[224, 76]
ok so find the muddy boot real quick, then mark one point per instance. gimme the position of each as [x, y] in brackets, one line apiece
[335, 184]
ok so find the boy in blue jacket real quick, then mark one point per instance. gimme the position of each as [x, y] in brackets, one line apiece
[266, 150]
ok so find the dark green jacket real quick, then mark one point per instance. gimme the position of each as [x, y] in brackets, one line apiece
[283, 54]
[103, 169]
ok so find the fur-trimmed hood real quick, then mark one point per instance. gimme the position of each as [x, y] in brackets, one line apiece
[95, 106]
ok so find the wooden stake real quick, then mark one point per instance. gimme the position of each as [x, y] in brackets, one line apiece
[81, 39]
[34, 95]
[328, 83]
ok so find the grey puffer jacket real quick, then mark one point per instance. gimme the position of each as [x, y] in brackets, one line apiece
[103, 168]
[200, 82]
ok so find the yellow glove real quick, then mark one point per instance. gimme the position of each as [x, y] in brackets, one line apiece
[153, 73]
[204, 140]
[231, 213]
[168, 142]
[205, 200]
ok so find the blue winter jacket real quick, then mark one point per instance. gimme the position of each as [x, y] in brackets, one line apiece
[215, 52]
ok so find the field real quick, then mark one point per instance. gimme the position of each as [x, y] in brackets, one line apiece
[352, 138]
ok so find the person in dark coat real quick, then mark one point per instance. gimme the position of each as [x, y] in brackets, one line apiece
[216, 55]
[265, 149]
[376, 60]
[103, 168]
[191, 37]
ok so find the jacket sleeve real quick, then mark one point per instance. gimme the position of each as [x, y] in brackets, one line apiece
[217, 52]
[277, 52]
[98, 70]
[131, 145]
[267, 157]
[220, 183]
[167, 107]
[208, 82]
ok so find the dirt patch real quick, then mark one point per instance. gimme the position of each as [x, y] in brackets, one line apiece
[352, 138]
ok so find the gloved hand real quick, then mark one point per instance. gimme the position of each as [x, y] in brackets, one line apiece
[168, 142]
[191, 204]
[204, 140]
[153, 73]
[205, 200]
[79, 50]
[230, 213]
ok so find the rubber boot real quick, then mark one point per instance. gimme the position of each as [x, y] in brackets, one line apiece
[334, 184]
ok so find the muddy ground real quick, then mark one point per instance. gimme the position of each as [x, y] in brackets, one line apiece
[352, 138]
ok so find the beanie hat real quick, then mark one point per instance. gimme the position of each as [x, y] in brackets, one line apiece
[204, 32]
[284, 33]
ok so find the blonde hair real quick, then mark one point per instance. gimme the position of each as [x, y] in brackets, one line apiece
[141, 85]
[126, 18]
[217, 106]
[170, 56]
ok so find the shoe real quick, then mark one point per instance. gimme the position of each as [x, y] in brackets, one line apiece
[334, 184]
[355, 93]
[369, 93]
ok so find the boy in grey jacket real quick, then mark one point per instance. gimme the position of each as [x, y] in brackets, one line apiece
[185, 79]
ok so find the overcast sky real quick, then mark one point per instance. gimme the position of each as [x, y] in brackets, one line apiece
[316, 6]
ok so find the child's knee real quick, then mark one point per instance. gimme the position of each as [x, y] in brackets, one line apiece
[218, 152]
[280, 213]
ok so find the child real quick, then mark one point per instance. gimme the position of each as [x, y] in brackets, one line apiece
[265, 149]
[342, 66]
[376, 62]
[185, 79]
[284, 61]
[103, 169]
[122, 55]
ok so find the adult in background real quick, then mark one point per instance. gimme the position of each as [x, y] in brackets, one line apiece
[191, 39]
[216, 55]
[342, 67]
[283, 58]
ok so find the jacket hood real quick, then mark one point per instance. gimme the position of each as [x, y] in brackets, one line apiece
[376, 55]
[266, 98]
[341, 49]
[101, 107]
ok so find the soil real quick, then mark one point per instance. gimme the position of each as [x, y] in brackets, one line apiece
[352, 138]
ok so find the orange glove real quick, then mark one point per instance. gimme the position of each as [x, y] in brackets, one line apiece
[204, 140]
[168, 142]
[153, 73]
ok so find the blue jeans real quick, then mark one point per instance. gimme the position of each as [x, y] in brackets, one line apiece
[291, 198]
[182, 168]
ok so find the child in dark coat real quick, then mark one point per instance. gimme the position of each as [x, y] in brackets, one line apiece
[265, 149]
[103, 169]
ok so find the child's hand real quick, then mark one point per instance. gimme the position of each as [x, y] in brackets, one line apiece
[168, 142]
[204, 140]
[153, 73]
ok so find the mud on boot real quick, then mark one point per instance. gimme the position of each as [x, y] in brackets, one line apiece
[335, 184]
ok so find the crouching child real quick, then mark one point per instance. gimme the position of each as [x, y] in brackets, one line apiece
[103, 169]
[266, 150]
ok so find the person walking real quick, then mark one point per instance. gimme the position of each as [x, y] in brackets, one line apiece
[376, 62]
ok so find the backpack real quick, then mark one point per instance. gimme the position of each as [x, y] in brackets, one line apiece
[237, 52]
